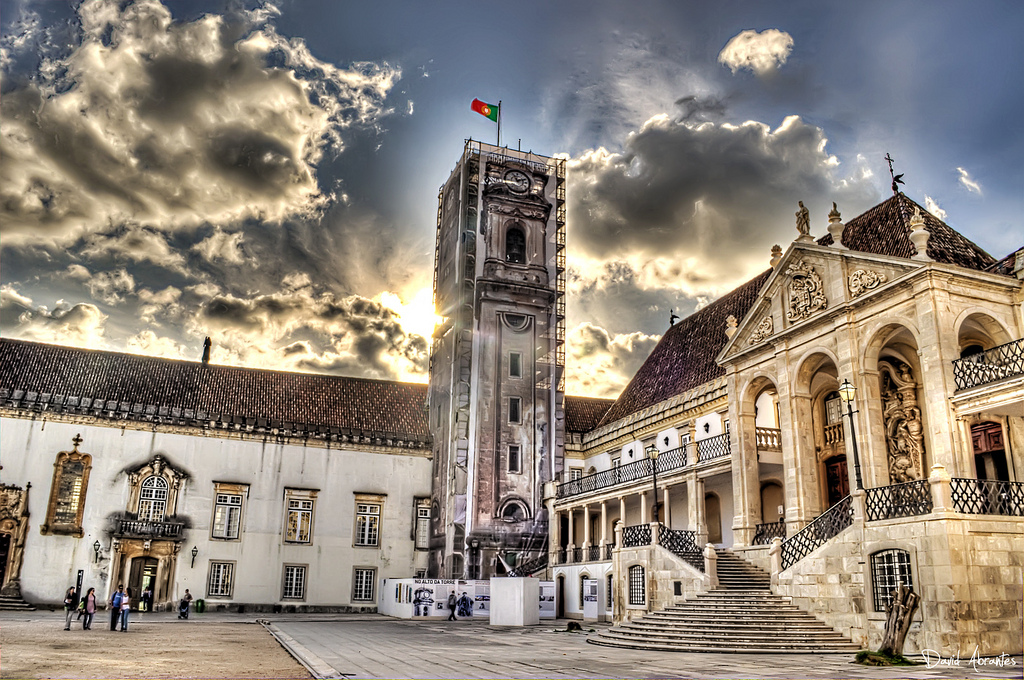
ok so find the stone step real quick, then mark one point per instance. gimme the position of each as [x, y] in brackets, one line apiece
[740, 637]
[782, 646]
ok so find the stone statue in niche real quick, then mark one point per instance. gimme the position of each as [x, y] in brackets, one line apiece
[806, 292]
[904, 431]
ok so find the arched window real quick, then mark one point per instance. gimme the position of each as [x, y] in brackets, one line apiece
[637, 585]
[583, 578]
[889, 569]
[67, 492]
[153, 499]
[515, 245]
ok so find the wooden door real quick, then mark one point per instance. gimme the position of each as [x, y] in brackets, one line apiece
[837, 479]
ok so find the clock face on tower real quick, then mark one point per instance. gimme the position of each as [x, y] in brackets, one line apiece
[517, 181]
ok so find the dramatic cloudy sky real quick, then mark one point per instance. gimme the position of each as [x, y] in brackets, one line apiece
[267, 174]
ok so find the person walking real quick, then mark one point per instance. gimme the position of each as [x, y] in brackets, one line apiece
[70, 606]
[88, 608]
[115, 606]
[126, 608]
[451, 606]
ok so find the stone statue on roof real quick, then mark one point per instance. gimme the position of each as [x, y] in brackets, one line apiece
[803, 220]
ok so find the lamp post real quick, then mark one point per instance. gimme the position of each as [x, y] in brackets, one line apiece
[96, 550]
[847, 392]
[195, 551]
[652, 453]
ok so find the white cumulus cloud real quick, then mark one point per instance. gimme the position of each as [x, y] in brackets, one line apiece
[758, 52]
[933, 207]
[969, 183]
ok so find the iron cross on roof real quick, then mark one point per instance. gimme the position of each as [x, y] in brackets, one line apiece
[896, 179]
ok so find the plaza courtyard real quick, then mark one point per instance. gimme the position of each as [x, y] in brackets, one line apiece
[216, 645]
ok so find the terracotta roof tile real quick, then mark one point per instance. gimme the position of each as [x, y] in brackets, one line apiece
[885, 230]
[582, 414]
[1006, 265]
[298, 401]
[685, 356]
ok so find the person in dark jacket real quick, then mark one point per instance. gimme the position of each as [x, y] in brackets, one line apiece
[70, 606]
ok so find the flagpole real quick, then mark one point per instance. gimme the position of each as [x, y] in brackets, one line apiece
[499, 122]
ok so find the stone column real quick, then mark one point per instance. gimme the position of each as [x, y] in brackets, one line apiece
[586, 527]
[618, 600]
[942, 492]
[666, 508]
[622, 513]
[746, 488]
[710, 567]
[572, 521]
[698, 518]
[554, 536]
[799, 464]
[604, 523]
[643, 507]
[775, 556]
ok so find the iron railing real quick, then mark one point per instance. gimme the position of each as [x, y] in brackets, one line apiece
[636, 535]
[1000, 362]
[609, 548]
[683, 543]
[577, 555]
[137, 527]
[768, 438]
[531, 567]
[713, 447]
[560, 556]
[823, 527]
[908, 499]
[630, 472]
[764, 533]
[593, 553]
[987, 497]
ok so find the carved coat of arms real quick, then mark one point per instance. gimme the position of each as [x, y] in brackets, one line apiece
[806, 292]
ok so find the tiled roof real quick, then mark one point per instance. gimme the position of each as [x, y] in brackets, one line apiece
[129, 386]
[582, 414]
[1006, 265]
[885, 230]
[685, 356]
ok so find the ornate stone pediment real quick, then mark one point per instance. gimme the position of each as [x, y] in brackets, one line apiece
[764, 329]
[863, 280]
[806, 294]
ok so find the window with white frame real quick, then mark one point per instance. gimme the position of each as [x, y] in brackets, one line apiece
[575, 473]
[294, 587]
[300, 505]
[221, 580]
[367, 524]
[227, 510]
[152, 499]
[515, 365]
[363, 582]
[515, 410]
[514, 462]
[423, 524]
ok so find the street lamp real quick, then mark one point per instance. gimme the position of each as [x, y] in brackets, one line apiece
[96, 550]
[652, 453]
[847, 392]
[195, 551]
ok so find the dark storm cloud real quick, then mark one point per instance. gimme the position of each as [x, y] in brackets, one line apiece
[174, 124]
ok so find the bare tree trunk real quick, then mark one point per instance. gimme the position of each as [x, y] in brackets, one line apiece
[897, 620]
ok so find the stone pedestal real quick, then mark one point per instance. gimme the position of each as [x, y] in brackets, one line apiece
[515, 601]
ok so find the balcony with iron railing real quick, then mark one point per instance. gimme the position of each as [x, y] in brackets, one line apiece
[992, 365]
[137, 528]
[593, 553]
[694, 453]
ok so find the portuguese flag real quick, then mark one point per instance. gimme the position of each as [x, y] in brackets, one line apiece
[485, 109]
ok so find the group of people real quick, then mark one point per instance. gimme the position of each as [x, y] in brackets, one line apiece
[464, 605]
[120, 606]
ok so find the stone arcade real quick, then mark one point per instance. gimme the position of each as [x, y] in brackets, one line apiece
[272, 490]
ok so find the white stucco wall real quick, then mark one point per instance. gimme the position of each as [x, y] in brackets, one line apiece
[51, 561]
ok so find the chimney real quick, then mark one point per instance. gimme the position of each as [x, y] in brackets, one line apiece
[206, 351]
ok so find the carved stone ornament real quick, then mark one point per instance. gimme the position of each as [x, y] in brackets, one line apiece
[525, 212]
[730, 326]
[13, 522]
[806, 292]
[863, 280]
[904, 430]
[763, 330]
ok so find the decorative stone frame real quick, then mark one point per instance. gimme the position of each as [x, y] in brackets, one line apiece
[291, 494]
[51, 526]
[233, 489]
[368, 499]
[872, 547]
[156, 467]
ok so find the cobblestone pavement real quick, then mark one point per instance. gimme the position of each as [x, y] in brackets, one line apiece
[223, 645]
[379, 647]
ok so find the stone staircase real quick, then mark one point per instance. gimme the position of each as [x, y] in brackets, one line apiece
[15, 604]
[741, 616]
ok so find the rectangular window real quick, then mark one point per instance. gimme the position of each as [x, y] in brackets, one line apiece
[363, 582]
[889, 570]
[422, 527]
[515, 365]
[514, 410]
[294, 582]
[300, 504]
[575, 473]
[833, 411]
[637, 586]
[227, 515]
[514, 464]
[367, 524]
[221, 579]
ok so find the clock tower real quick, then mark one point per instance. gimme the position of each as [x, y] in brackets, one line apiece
[497, 360]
